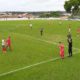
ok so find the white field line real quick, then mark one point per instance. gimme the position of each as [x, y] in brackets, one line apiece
[50, 42]
[26, 67]
[30, 66]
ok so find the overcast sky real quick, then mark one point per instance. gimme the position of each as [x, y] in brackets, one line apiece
[31, 5]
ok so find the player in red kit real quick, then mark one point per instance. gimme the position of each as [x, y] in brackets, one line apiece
[61, 47]
[78, 32]
[8, 42]
[3, 46]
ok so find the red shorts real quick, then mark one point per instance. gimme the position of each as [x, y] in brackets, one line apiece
[3, 49]
[62, 54]
[78, 31]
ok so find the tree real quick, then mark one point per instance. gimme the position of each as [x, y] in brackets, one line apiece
[72, 6]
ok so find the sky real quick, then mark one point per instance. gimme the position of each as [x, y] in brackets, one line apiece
[32, 5]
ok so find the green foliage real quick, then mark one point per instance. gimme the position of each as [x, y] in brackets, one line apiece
[72, 6]
[55, 14]
[51, 14]
[68, 6]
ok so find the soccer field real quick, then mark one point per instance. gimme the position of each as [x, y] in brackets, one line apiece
[36, 57]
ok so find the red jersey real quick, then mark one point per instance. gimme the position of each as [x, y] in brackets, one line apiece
[78, 30]
[8, 41]
[61, 49]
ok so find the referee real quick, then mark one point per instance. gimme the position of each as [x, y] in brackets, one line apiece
[41, 31]
[70, 46]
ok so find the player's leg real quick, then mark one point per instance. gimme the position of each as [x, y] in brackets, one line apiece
[62, 55]
[3, 49]
[69, 52]
[41, 33]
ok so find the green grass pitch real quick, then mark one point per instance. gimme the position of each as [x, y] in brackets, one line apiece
[30, 48]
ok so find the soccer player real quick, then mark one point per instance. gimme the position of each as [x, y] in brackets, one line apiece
[69, 30]
[78, 32]
[8, 42]
[70, 46]
[30, 25]
[41, 31]
[69, 35]
[61, 47]
[3, 46]
[60, 23]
